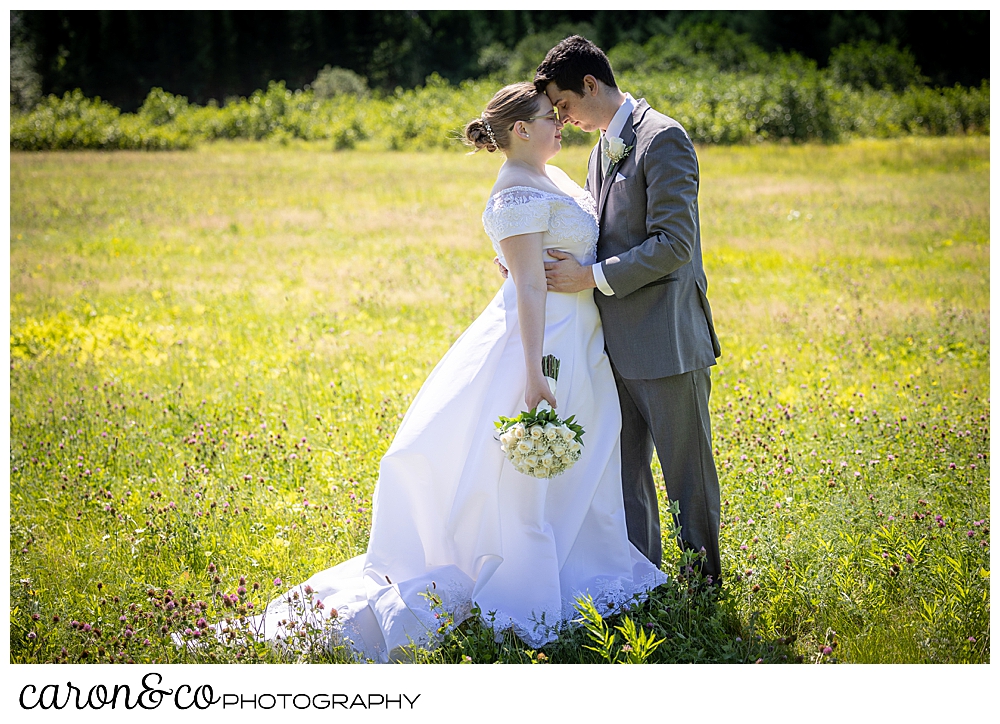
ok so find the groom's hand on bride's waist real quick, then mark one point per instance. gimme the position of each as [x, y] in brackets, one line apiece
[566, 275]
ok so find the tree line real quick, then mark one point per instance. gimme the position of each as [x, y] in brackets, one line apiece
[119, 55]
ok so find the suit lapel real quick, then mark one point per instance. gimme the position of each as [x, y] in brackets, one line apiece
[628, 136]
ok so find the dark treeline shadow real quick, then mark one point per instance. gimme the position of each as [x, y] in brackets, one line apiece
[120, 55]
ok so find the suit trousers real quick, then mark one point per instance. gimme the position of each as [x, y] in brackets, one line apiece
[670, 413]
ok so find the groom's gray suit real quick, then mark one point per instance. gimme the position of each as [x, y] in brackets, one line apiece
[658, 329]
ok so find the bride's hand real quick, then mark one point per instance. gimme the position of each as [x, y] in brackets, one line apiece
[503, 270]
[537, 390]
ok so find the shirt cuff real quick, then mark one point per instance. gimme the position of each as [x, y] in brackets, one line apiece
[602, 282]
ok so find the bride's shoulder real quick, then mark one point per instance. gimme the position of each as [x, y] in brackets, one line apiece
[561, 179]
[516, 190]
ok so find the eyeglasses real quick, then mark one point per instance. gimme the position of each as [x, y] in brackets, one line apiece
[552, 115]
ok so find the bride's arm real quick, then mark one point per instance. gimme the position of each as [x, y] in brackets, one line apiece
[523, 254]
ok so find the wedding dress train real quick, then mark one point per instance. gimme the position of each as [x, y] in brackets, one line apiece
[452, 518]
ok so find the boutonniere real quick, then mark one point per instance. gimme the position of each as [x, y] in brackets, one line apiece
[617, 150]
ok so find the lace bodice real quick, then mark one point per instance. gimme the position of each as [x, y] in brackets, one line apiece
[568, 222]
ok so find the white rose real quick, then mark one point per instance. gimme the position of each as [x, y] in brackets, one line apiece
[525, 446]
[536, 431]
[551, 431]
[566, 433]
[518, 431]
[616, 146]
[574, 447]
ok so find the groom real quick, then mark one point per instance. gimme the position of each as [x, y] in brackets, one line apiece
[651, 294]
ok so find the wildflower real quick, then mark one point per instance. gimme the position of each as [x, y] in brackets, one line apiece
[970, 533]
[277, 581]
[32, 636]
[827, 651]
[972, 639]
[87, 627]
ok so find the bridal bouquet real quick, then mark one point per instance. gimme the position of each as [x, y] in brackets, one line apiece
[537, 442]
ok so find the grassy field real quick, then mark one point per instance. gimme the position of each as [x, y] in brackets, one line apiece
[210, 350]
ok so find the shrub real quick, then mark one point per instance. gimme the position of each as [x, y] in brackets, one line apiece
[694, 46]
[332, 82]
[791, 99]
[867, 64]
[161, 107]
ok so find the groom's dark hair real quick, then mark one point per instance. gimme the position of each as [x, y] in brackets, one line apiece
[568, 63]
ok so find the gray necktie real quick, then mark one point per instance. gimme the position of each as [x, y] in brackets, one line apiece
[605, 161]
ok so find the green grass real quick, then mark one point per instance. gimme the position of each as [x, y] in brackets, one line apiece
[210, 351]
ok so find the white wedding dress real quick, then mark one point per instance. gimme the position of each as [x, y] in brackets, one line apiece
[453, 518]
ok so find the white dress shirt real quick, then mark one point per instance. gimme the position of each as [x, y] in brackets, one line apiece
[614, 130]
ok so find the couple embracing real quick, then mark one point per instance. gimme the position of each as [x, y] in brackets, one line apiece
[608, 279]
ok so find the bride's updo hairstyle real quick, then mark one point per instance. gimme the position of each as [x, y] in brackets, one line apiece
[511, 103]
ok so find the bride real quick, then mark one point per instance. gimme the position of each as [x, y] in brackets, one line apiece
[453, 522]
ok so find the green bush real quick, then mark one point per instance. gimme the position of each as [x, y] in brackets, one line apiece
[76, 122]
[695, 46]
[917, 111]
[332, 82]
[867, 64]
[161, 107]
[787, 98]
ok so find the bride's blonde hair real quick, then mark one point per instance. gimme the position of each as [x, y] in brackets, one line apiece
[510, 104]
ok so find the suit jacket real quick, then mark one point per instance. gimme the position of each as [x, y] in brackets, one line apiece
[659, 322]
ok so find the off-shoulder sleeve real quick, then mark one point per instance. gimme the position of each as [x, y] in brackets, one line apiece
[514, 211]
